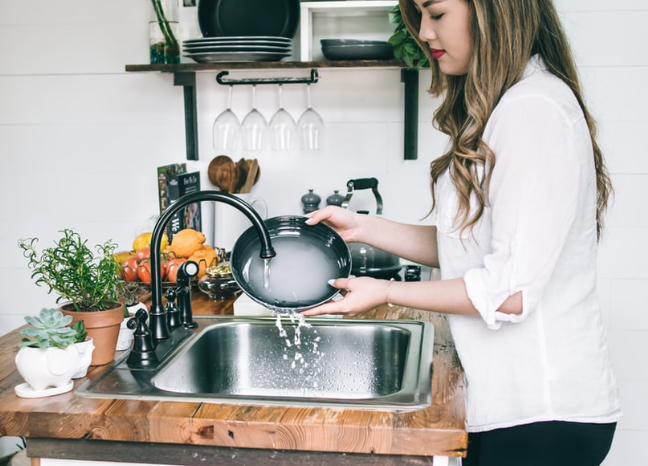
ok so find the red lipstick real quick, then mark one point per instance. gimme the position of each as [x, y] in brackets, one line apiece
[436, 54]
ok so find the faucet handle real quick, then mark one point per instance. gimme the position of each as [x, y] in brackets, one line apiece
[172, 310]
[170, 294]
[143, 352]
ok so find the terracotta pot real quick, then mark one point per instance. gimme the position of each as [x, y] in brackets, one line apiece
[102, 327]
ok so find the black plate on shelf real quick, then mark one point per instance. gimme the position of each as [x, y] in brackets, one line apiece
[237, 48]
[224, 57]
[278, 41]
[218, 18]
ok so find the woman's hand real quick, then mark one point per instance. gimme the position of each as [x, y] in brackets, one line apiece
[343, 221]
[361, 294]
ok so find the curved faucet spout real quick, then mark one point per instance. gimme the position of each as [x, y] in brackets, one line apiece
[158, 321]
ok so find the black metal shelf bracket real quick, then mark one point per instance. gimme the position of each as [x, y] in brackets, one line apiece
[221, 79]
[187, 80]
[410, 77]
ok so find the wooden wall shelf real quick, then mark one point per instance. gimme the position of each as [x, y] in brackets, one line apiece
[267, 65]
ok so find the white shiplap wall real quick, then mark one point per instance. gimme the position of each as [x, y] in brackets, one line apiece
[80, 140]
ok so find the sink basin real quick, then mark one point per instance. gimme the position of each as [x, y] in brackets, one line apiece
[374, 364]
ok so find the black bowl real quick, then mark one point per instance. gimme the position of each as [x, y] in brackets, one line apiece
[383, 51]
[297, 277]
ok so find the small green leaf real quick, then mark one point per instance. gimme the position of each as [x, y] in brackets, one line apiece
[397, 38]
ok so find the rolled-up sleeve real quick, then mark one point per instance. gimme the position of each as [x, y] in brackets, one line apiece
[532, 199]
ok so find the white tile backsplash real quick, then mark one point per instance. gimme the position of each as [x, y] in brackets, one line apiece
[633, 393]
[566, 6]
[624, 253]
[81, 140]
[625, 345]
[629, 302]
[624, 152]
[616, 93]
[592, 43]
[630, 209]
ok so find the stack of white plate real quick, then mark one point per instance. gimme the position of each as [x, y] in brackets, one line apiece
[237, 49]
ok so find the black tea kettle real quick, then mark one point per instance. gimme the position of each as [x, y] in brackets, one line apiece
[367, 260]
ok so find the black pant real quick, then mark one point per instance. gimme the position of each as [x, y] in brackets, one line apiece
[552, 443]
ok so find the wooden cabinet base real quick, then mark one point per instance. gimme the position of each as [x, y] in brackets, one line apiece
[190, 455]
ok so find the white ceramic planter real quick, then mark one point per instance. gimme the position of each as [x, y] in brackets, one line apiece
[85, 349]
[125, 338]
[50, 368]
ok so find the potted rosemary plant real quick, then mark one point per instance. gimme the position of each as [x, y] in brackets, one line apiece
[49, 357]
[87, 283]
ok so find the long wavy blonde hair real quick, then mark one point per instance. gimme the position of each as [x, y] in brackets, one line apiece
[504, 35]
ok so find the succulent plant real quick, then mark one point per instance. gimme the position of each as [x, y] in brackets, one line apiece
[80, 331]
[49, 330]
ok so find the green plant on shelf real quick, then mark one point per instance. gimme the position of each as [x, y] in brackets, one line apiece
[405, 47]
[168, 50]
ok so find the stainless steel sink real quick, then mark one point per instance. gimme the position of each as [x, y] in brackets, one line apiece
[373, 364]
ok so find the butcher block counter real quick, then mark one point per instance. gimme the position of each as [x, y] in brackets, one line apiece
[70, 427]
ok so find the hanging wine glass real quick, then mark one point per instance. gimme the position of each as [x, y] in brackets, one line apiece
[253, 127]
[282, 127]
[310, 126]
[227, 128]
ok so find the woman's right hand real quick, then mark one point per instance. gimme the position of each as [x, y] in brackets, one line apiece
[345, 222]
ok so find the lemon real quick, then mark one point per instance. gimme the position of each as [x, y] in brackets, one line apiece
[121, 256]
[144, 240]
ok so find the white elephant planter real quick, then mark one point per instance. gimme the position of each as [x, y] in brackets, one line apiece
[125, 338]
[49, 371]
[85, 349]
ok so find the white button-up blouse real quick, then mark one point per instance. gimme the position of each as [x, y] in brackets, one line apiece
[537, 236]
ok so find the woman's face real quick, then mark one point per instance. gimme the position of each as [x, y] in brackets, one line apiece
[445, 28]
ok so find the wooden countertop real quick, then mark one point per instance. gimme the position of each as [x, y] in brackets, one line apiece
[436, 430]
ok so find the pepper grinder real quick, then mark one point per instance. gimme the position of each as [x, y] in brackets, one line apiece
[335, 199]
[311, 201]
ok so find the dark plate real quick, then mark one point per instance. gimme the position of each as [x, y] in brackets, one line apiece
[267, 43]
[225, 57]
[246, 39]
[237, 48]
[307, 258]
[359, 52]
[218, 18]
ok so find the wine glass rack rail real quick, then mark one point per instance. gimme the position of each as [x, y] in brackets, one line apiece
[184, 74]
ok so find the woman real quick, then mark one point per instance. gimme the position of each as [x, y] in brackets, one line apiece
[519, 198]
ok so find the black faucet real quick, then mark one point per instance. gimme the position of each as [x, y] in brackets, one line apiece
[158, 321]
